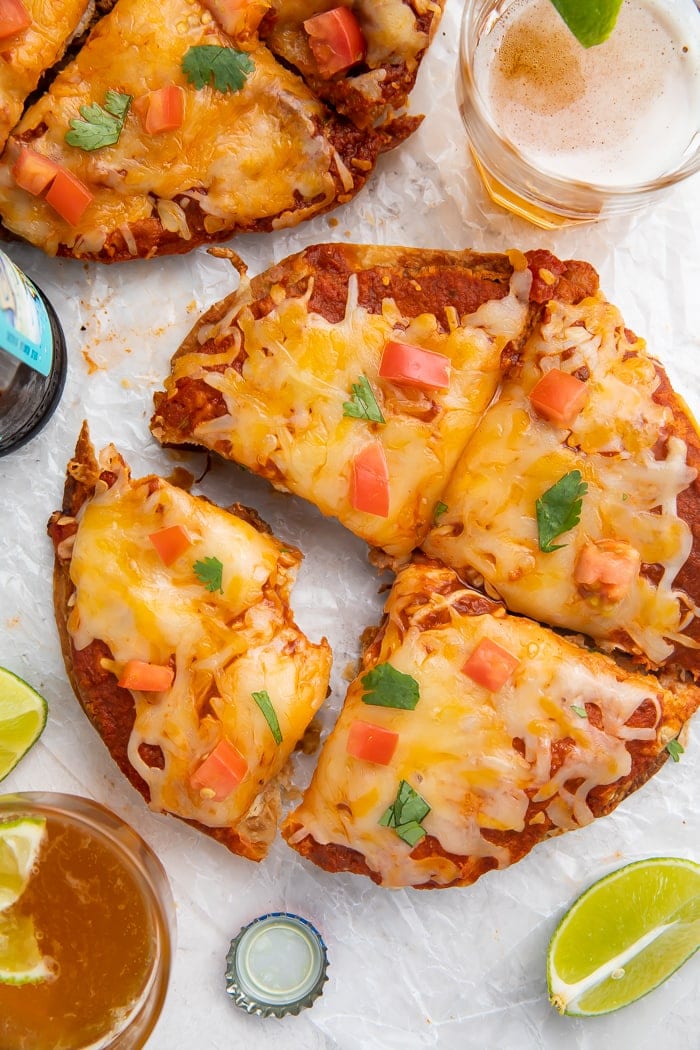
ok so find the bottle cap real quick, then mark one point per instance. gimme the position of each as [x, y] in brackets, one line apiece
[276, 965]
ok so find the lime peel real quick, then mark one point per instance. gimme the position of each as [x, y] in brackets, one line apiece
[23, 714]
[590, 21]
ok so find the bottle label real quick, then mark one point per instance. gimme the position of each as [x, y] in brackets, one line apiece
[25, 330]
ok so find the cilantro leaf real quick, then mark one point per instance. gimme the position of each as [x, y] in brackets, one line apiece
[262, 699]
[675, 750]
[227, 67]
[101, 125]
[363, 404]
[210, 572]
[438, 511]
[405, 814]
[386, 687]
[580, 711]
[559, 509]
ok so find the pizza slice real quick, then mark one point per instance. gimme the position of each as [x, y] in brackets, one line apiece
[352, 376]
[33, 37]
[360, 56]
[577, 500]
[470, 735]
[181, 646]
[165, 133]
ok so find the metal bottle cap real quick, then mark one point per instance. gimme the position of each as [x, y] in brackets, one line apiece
[276, 965]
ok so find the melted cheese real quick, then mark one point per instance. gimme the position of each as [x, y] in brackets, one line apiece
[481, 760]
[631, 495]
[224, 646]
[27, 54]
[285, 417]
[243, 156]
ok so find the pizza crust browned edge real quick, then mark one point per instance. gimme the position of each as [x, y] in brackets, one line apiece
[110, 708]
[681, 701]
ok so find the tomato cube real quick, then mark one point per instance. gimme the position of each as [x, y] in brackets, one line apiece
[170, 543]
[14, 17]
[608, 568]
[220, 772]
[371, 742]
[559, 397]
[68, 196]
[406, 363]
[33, 171]
[165, 110]
[490, 665]
[145, 677]
[336, 40]
[369, 483]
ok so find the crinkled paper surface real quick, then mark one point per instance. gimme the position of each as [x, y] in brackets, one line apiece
[452, 969]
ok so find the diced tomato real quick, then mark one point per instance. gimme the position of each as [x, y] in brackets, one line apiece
[406, 363]
[608, 568]
[68, 196]
[33, 171]
[336, 39]
[490, 665]
[369, 484]
[559, 397]
[165, 109]
[220, 772]
[147, 678]
[170, 543]
[13, 17]
[373, 743]
[238, 17]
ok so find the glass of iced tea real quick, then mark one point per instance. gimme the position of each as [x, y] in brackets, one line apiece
[561, 133]
[86, 927]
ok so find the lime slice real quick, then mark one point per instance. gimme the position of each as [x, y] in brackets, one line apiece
[22, 719]
[591, 21]
[21, 961]
[624, 936]
[20, 842]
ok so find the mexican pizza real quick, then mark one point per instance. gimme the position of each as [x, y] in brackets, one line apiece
[354, 375]
[181, 646]
[471, 735]
[592, 523]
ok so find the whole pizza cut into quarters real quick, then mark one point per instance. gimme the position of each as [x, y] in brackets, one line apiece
[181, 646]
[184, 122]
[471, 735]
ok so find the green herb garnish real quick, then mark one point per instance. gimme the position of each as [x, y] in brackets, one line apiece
[386, 687]
[405, 814]
[262, 699]
[559, 509]
[228, 68]
[580, 711]
[363, 404]
[675, 750]
[210, 572]
[440, 509]
[101, 125]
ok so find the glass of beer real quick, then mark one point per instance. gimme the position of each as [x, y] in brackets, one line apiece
[86, 926]
[563, 134]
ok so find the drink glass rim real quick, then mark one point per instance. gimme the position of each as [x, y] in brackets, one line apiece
[481, 14]
[153, 883]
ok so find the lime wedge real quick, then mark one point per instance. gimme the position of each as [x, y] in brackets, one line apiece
[591, 21]
[22, 719]
[624, 936]
[20, 842]
[21, 961]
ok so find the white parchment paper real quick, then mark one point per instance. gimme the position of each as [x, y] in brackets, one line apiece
[452, 969]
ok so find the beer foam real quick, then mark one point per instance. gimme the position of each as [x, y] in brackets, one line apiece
[618, 114]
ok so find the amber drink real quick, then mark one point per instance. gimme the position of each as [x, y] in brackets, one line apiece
[102, 913]
[561, 133]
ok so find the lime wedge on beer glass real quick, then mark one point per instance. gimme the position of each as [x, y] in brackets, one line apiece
[22, 719]
[625, 935]
[591, 21]
[21, 961]
[20, 843]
